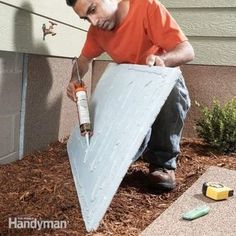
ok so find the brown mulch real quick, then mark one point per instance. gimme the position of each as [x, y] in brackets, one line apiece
[41, 186]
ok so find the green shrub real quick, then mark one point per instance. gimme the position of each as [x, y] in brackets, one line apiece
[217, 126]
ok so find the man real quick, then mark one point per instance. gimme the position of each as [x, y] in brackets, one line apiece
[141, 32]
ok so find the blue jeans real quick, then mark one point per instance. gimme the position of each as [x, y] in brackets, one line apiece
[163, 143]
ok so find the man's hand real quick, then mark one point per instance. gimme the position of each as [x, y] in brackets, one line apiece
[73, 84]
[177, 56]
[154, 60]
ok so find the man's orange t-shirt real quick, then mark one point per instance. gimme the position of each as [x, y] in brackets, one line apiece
[147, 29]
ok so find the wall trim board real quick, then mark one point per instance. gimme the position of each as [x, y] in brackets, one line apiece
[23, 104]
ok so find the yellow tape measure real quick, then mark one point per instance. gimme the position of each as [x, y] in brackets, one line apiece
[216, 191]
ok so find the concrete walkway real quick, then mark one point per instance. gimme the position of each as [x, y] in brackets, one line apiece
[221, 220]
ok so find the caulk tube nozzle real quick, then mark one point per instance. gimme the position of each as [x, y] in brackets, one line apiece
[87, 138]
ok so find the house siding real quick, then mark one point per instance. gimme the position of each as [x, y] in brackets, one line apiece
[22, 31]
[210, 27]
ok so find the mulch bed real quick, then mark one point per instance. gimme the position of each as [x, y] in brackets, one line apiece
[41, 186]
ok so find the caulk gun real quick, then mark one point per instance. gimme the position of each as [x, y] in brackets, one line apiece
[82, 106]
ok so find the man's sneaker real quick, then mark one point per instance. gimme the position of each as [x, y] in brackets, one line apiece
[161, 178]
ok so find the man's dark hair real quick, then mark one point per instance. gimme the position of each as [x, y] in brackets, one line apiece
[71, 2]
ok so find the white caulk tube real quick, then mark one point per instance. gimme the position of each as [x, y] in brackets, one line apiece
[83, 112]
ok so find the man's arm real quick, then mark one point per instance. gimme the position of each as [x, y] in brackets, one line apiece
[83, 66]
[180, 55]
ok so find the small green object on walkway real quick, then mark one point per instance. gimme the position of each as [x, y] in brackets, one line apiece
[196, 213]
